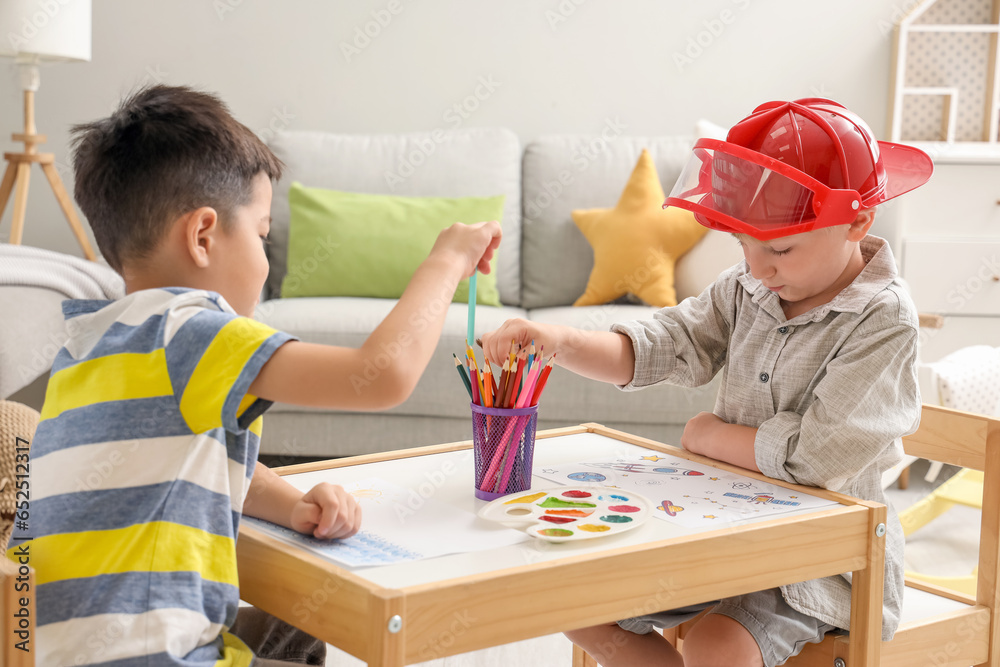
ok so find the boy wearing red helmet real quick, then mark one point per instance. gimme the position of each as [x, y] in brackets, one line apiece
[817, 341]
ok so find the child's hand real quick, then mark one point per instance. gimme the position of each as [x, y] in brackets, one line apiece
[496, 344]
[327, 511]
[472, 245]
[599, 355]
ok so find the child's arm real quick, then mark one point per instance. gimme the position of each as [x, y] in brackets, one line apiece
[385, 369]
[867, 399]
[708, 435]
[598, 355]
[326, 511]
[684, 345]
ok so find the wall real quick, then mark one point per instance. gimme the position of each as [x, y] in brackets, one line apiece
[535, 66]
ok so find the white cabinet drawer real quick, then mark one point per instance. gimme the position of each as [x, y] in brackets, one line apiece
[953, 277]
[960, 199]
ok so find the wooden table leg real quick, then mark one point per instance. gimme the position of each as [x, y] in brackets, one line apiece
[581, 658]
[866, 596]
[388, 631]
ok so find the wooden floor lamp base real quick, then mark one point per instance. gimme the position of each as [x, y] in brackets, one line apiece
[19, 173]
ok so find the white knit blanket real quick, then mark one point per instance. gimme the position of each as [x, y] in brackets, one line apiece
[32, 328]
[75, 277]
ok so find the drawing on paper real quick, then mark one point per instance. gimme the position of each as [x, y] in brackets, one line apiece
[688, 493]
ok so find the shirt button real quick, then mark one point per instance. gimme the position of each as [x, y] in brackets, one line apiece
[764, 377]
[782, 330]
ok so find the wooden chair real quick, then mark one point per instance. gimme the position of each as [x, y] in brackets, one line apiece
[967, 379]
[942, 627]
[17, 581]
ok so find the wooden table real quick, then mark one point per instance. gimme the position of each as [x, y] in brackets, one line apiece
[411, 612]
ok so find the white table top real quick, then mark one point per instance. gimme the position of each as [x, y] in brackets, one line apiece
[448, 477]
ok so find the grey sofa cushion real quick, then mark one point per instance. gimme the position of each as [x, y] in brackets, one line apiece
[563, 173]
[443, 163]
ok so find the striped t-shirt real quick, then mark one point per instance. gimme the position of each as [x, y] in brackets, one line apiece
[139, 468]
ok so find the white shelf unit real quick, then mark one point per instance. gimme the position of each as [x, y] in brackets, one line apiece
[905, 30]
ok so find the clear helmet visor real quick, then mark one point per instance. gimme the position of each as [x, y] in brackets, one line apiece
[753, 194]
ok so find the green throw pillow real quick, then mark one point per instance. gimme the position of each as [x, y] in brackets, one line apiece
[352, 244]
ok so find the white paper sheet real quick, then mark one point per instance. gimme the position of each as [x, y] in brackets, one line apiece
[687, 493]
[399, 525]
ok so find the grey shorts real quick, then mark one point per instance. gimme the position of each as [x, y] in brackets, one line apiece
[779, 630]
[275, 643]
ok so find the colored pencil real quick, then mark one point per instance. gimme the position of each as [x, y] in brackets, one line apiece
[510, 455]
[540, 385]
[513, 372]
[517, 379]
[502, 385]
[476, 396]
[462, 374]
[501, 456]
[470, 353]
[491, 479]
[511, 380]
[493, 382]
[488, 386]
[488, 391]
[529, 384]
[471, 334]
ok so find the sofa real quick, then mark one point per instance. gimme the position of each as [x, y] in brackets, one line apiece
[543, 265]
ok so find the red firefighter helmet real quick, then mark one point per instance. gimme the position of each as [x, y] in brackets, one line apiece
[790, 167]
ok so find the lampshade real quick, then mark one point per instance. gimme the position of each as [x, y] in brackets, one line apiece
[50, 30]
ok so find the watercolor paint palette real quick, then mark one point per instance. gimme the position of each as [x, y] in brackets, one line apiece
[567, 513]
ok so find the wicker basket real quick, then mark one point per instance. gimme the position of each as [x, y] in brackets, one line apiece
[17, 426]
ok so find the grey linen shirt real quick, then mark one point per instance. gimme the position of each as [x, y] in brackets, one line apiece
[830, 391]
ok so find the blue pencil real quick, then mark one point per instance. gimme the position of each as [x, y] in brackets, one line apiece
[471, 333]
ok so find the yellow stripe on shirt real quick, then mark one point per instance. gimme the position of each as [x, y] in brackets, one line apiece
[157, 546]
[256, 426]
[235, 653]
[220, 366]
[115, 377]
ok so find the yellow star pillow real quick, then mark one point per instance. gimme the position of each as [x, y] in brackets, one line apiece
[637, 242]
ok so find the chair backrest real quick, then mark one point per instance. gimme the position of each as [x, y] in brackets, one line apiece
[954, 437]
[970, 441]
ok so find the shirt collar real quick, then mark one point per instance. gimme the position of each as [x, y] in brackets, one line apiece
[879, 273]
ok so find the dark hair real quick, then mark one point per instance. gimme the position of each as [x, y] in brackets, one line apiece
[165, 151]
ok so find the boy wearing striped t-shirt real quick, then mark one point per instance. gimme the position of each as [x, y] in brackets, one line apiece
[145, 457]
